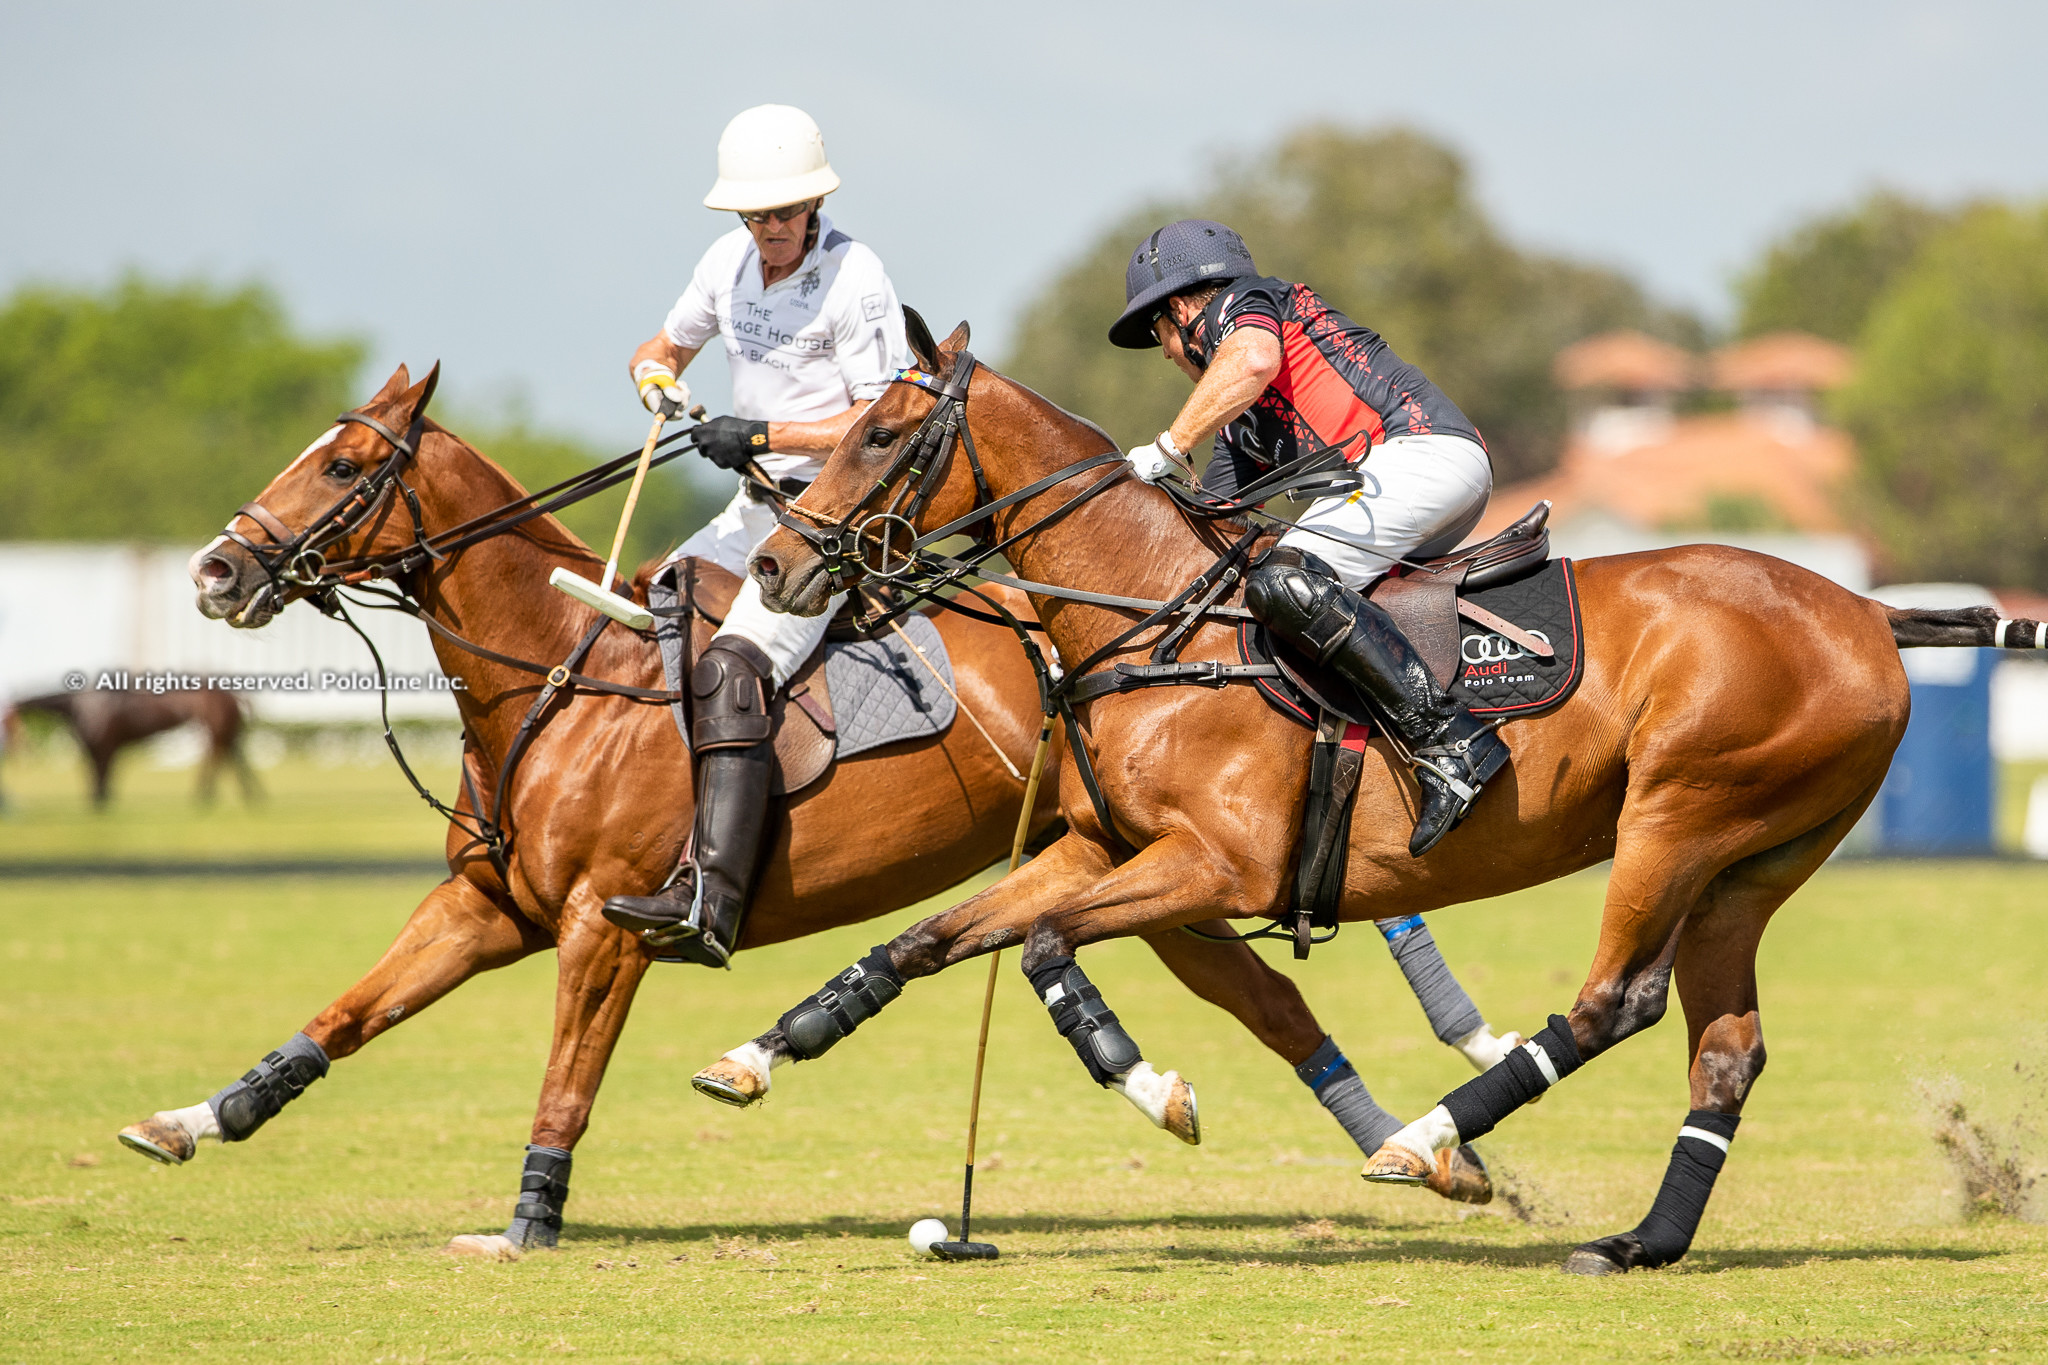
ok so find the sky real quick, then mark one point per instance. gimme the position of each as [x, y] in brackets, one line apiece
[514, 187]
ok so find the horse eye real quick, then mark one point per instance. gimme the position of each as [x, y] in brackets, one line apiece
[343, 469]
[881, 438]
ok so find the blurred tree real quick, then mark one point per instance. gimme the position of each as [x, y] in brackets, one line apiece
[151, 411]
[1383, 225]
[1824, 277]
[1950, 405]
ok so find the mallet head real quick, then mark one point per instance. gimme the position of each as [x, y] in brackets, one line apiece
[625, 611]
[964, 1251]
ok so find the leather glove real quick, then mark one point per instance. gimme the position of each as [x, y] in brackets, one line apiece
[661, 391]
[1155, 460]
[729, 442]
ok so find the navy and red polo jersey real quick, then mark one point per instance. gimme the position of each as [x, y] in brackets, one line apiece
[1339, 384]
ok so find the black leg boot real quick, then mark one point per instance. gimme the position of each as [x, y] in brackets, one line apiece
[1299, 598]
[698, 918]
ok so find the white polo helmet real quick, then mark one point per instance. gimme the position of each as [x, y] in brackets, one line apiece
[769, 156]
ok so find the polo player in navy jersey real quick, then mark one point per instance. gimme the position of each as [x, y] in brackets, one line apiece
[1279, 374]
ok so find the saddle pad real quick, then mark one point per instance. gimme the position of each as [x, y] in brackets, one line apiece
[882, 693]
[1495, 676]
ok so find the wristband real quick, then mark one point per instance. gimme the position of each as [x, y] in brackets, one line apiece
[1165, 443]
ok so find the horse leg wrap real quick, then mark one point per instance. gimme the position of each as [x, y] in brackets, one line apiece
[841, 1004]
[1452, 1015]
[1528, 1071]
[1337, 1085]
[1083, 1019]
[269, 1086]
[1666, 1234]
[543, 1190]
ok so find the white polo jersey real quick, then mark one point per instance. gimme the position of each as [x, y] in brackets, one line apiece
[807, 347]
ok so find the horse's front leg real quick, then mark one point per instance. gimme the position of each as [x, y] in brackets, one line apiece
[456, 932]
[1173, 881]
[599, 970]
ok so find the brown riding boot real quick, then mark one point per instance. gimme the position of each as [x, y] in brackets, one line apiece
[698, 917]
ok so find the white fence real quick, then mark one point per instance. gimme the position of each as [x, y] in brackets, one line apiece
[75, 616]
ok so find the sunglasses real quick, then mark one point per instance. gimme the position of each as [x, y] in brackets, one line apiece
[787, 213]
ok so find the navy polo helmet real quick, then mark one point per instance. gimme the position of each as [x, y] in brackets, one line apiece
[1179, 256]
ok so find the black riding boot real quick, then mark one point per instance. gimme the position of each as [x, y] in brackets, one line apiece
[698, 918]
[1298, 596]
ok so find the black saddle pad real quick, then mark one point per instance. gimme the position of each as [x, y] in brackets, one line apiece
[1496, 677]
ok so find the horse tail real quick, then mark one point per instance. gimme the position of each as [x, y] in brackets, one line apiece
[1964, 627]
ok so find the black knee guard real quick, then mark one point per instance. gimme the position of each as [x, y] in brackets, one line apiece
[543, 1190]
[841, 1004]
[1486, 1099]
[1298, 595]
[1082, 1018]
[269, 1086]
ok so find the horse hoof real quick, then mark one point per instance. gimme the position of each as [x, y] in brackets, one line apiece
[1392, 1165]
[729, 1082]
[1616, 1255]
[1183, 1118]
[483, 1246]
[159, 1139]
[1460, 1174]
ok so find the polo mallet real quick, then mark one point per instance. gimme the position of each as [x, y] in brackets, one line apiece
[599, 596]
[966, 1249]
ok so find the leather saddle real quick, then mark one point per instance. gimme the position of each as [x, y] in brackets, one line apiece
[806, 738]
[1426, 600]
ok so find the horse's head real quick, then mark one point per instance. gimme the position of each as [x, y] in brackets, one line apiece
[342, 498]
[873, 473]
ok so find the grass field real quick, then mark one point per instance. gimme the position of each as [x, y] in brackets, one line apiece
[699, 1233]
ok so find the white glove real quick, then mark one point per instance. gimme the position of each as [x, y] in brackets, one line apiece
[1154, 461]
[660, 390]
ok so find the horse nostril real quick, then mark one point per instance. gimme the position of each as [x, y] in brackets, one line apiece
[215, 571]
[765, 566]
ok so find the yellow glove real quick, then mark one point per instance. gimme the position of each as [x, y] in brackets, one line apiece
[661, 391]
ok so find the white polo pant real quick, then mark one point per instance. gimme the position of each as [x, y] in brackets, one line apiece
[1420, 493]
[726, 540]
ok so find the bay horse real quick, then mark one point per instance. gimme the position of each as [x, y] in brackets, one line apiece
[107, 721]
[601, 802]
[1735, 717]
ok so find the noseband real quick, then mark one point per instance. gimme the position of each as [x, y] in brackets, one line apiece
[298, 560]
[922, 465]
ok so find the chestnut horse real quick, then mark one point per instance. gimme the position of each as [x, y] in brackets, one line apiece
[1735, 717]
[601, 800]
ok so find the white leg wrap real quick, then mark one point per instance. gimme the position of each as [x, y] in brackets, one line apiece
[758, 1060]
[1147, 1090]
[1485, 1051]
[198, 1121]
[1429, 1134]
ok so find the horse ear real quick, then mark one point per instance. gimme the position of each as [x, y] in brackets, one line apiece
[411, 404]
[922, 348]
[398, 383]
[957, 341]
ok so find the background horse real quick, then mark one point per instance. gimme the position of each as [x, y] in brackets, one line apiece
[1735, 718]
[601, 803]
[106, 722]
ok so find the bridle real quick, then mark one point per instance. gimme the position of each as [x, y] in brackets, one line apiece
[298, 561]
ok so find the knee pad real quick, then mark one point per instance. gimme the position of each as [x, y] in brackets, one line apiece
[1298, 596]
[1083, 1019]
[544, 1189]
[841, 1005]
[729, 687]
[269, 1086]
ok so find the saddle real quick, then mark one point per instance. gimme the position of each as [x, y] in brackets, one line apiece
[1498, 625]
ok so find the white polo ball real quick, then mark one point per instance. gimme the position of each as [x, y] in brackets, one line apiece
[924, 1232]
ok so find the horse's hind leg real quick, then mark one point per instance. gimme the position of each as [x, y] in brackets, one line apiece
[1234, 978]
[456, 932]
[1716, 972]
[599, 970]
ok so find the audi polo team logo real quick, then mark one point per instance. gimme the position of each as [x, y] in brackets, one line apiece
[1494, 649]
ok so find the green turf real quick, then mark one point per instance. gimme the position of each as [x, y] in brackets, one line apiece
[699, 1233]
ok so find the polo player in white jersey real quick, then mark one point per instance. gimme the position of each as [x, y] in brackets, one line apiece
[812, 331]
